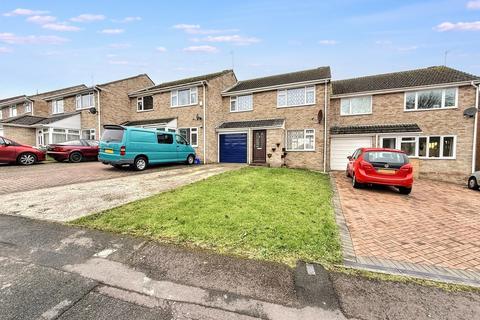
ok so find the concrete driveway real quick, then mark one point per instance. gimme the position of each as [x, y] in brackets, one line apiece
[435, 229]
[58, 192]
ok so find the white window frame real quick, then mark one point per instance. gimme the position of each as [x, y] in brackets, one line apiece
[193, 130]
[27, 106]
[12, 111]
[91, 132]
[350, 106]
[442, 107]
[304, 137]
[1, 113]
[398, 144]
[192, 102]
[235, 99]
[55, 106]
[285, 92]
[140, 102]
[79, 101]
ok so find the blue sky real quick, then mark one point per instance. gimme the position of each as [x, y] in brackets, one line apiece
[46, 45]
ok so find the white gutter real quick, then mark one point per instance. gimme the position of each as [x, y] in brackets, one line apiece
[147, 91]
[325, 138]
[475, 128]
[98, 113]
[204, 102]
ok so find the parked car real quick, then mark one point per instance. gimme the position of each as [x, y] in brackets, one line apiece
[473, 181]
[74, 151]
[381, 166]
[139, 147]
[14, 152]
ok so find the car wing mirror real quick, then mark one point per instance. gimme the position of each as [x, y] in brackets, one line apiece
[350, 158]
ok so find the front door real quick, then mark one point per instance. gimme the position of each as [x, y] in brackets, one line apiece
[259, 146]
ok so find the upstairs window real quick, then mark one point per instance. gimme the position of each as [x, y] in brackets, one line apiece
[13, 111]
[241, 103]
[431, 99]
[184, 97]
[145, 103]
[27, 106]
[296, 97]
[84, 101]
[356, 106]
[57, 106]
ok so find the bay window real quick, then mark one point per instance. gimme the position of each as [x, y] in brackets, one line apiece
[431, 99]
[57, 106]
[184, 97]
[429, 147]
[84, 101]
[296, 97]
[301, 140]
[241, 103]
[356, 106]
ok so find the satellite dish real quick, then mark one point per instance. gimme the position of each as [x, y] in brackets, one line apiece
[320, 116]
[93, 110]
[470, 112]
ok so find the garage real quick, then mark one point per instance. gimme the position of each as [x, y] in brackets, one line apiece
[342, 147]
[233, 147]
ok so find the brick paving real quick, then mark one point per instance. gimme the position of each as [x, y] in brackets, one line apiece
[14, 178]
[434, 229]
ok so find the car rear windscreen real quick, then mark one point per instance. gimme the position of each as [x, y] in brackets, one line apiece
[381, 158]
[112, 135]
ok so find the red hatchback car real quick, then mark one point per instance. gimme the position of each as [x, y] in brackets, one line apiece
[381, 166]
[13, 152]
[74, 151]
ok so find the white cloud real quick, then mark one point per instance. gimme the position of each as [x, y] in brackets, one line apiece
[60, 27]
[88, 17]
[128, 19]
[328, 42]
[118, 62]
[461, 26]
[195, 29]
[5, 50]
[119, 45]
[208, 49]
[161, 49]
[41, 19]
[235, 39]
[112, 31]
[14, 39]
[24, 12]
[473, 5]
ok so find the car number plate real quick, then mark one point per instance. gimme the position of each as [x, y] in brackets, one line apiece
[108, 150]
[385, 171]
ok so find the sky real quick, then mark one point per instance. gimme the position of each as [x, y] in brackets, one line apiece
[46, 45]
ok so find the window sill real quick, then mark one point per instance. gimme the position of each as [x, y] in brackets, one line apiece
[149, 110]
[442, 158]
[183, 106]
[432, 109]
[299, 150]
[297, 106]
[241, 111]
[86, 108]
[356, 114]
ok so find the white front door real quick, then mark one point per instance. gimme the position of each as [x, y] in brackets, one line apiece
[342, 147]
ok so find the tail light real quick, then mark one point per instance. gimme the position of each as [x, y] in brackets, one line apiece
[366, 166]
[408, 168]
[122, 150]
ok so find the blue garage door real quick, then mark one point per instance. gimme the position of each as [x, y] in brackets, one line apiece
[233, 147]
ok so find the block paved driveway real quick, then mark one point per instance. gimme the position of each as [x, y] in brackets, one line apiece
[438, 224]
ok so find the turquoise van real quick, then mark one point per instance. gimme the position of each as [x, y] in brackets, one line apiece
[139, 147]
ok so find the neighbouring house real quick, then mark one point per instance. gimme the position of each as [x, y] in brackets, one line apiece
[73, 113]
[186, 106]
[277, 120]
[422, 112]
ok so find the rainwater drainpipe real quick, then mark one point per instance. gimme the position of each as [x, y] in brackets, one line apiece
[98, 114]
[475, 128]
[325, 129]
[204, 124]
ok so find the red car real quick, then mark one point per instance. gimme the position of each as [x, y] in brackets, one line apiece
[74, 151]
[381, 166]
[11, 152]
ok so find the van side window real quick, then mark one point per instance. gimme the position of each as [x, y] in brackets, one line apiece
[165, 138]
[181, 140]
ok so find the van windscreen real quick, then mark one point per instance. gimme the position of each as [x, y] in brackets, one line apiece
[112, 135]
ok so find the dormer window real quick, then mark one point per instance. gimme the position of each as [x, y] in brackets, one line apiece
[296, 97]
[184, 97]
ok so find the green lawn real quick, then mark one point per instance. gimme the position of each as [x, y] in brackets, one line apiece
[264, 213]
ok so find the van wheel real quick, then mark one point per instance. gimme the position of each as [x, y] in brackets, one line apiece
[140, 163]
[190, 160]
[27, 159]
[355, 183]
[404, 190]
[75, 157]
[472, 183]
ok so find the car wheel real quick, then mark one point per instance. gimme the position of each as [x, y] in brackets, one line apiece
[75, 157]
[27, 159]
[190, 160]
[140, 163]
[472, 183]
[404, 190]
[355, 183]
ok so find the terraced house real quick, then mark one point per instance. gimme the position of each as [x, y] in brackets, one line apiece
[428, 113]
[71, 113]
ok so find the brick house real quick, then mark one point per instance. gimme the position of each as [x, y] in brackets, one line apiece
[276, 120]
[73, 112]
[421, 112]
[187, 106]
